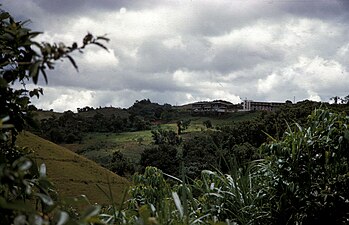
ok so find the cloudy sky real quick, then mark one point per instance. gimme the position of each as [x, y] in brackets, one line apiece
[181, 51]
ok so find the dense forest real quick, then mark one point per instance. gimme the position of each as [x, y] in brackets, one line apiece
[289, 166]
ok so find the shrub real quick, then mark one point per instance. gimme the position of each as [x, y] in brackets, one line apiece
[120, 165]
[311, 167]
[163, 156]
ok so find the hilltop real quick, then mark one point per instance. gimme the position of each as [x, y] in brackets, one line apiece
[72, 174]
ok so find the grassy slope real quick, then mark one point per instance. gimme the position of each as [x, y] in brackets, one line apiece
[40, 115]
[74, 175]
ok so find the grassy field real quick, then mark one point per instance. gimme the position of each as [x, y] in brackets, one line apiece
[224, 119]
[72, 174]
[96, 146]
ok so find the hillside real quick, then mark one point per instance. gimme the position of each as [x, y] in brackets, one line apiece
[73, 175]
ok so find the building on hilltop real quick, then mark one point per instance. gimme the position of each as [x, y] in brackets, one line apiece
[249, 105]
[217, 106]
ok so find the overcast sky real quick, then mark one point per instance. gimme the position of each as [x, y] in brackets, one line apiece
[182, 51]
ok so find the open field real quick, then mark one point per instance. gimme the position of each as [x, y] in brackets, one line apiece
[224, 119]
[95, 146]
[72, 174]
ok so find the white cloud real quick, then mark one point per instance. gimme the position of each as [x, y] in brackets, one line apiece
[101, 58]
[313, 96]
[181, 51]
[174, 42]
[61, 99]
[268, 84]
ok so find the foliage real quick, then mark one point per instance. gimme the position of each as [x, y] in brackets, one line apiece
[208, 124]
[200, 153]
[182, 125]
[150, 111]
[311, 166]
[163, 136]
[21, 183]
[342, 100]
[302, 180]
[120, 165]
[164, 157]
[71, 127]
[23, 59]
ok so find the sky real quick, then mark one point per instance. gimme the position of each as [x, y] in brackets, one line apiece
[182, 51]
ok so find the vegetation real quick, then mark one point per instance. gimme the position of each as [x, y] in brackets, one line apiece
[72, 174]
[302, 179]
[285, 167]
[26, 195]
[70, 127]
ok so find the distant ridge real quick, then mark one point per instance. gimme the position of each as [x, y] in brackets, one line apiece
[72, 174]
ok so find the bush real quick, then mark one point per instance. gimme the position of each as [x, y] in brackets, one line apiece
[163, 156]
[311, 167]
[200, 153]
[120, 165]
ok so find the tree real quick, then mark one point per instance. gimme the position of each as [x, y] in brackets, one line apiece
[345, 100]
[162, 156]
[335, 99]
[182, 125]
[162, 136]
[22, 59]
[207, 124]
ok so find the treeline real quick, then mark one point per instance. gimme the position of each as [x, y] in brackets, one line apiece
[70, 127]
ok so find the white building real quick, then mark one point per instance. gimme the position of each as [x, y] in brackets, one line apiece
[249, 105]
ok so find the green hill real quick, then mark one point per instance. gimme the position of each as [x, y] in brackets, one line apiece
[72, 174]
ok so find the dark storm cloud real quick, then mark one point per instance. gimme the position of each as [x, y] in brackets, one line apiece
[153, 55]
[113, 80]
[64, 7]
[323, 9]
[243, 57]
[180, 51]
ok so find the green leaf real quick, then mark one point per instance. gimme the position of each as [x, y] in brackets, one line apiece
[87, 39]
[46, 184]
[42, 170]
[34, 34]
[101, 45]
[103, 38]
[24, 101]
[178, 203]
[34, 71]
[4, 15]
[34, 92]
[42, 69]
[45, 199]
[24, 165]
[73, 62]
[63, 217]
